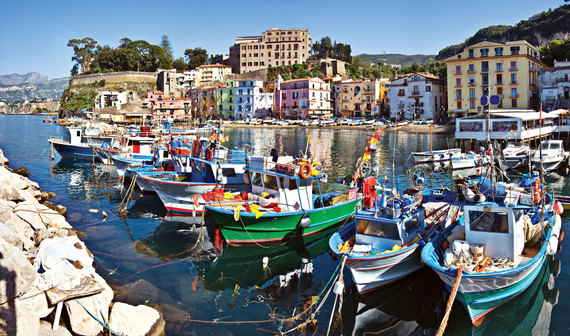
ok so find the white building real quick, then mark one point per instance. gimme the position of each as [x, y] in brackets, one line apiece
[109, 98]
[247, 95]
[554, 86]
[264, 105]
[418, 96]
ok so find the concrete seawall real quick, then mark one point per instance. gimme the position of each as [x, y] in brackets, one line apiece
[48, 284]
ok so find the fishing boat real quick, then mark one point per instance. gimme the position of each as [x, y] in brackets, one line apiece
[280, 204]
[498, 247]
[436, 156]
[383, 243]
[211, 167]
[552, 155]
[470, 160]
[128, 146]
[516, 155]
[75, 148]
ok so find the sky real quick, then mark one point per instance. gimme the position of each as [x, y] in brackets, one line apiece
[35, 33]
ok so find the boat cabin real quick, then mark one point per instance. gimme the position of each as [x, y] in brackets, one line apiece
[76, 135]
[392, 231]
[498, 229]
[278, 179]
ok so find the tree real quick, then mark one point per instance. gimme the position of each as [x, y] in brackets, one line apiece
[196, 57]
[166, 45]
[556, 50]
[180, 64]
[322, 48]
[84, 52]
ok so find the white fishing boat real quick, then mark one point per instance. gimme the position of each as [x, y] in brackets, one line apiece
[436, 156]
[553, 155]
[470, 160]
[516, 155]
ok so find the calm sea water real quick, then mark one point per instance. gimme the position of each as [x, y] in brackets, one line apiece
[173, 264]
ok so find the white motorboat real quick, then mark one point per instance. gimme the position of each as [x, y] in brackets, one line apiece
[553, 155]
[516, 154]
[436, 156]
[471, 160]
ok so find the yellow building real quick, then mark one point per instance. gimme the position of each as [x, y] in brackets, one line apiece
[209, 74]
[509, 70]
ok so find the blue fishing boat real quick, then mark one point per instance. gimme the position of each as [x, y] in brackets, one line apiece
[75, 148]
[497, 248]
[383, 243]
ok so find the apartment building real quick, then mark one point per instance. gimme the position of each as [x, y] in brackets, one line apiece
[508, 69]
[169, 108]
[356, 98]
[303, 98]
[226, 98]
[210, 74]
[416, 96]
[274, 47]
[554, 86]
[108, 98]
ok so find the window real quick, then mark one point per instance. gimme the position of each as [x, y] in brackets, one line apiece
[471, 68]
[484, 66]
[513, 78]
[458, 93]
[284, 95]
[499, 66]
[459, 104]
[270, 182]
[485, 79]
[484, 52]
[499, 51]
[489, 221]
[499, 78]
[428, 88]
[513, 66]
[458, 69]
[471, 93]
[379, 229]
[471, 80]
[499, 90]
[514, 102]
[472, 104]
[514, 92]
[470, 53]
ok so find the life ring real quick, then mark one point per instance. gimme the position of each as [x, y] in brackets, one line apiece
[305, 170]
[209, 155]
[536, 192]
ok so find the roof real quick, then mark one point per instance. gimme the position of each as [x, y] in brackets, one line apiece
[315, 79]
[214, 66]
[519, 114]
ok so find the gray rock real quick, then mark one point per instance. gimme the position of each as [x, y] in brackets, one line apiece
[16, 272]
[11, 237]
[23, 230]
[135, 320]
[19, 317]
[46, 330]
[30, 212]
[81, 322]
[10, 193]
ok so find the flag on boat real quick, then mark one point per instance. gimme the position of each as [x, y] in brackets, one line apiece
[381, 130]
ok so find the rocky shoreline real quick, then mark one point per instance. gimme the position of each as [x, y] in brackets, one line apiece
[49, 285]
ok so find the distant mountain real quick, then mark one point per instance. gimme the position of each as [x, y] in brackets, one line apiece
[538, 30]
[399, 59]
[17, 79]
[47, 89]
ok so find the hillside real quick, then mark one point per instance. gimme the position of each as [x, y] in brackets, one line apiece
[400, 59]
[17, 79]
[46, 89]
[538, 30]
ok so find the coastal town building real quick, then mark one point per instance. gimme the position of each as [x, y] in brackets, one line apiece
[170, 82]
[172, 109]
[303, 98]
[208, 102]
[418, 96]
[357, 98]
[226, 100]
[111, 98]
[274, 47]
[509, 70]
[210, 74]
[554, 86]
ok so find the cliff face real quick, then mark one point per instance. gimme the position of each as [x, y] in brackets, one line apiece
[17, 79]
[51, 89]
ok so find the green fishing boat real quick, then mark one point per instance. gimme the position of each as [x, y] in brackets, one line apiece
[281, 204]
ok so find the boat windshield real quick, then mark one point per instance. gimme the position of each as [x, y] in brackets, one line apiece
[379, 229]
[555, 146]
[515, 144]
[489, 221]
[544, 145]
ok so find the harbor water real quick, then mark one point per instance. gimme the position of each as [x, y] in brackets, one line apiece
[203, 288]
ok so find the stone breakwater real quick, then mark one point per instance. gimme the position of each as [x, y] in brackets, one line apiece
[48, 285]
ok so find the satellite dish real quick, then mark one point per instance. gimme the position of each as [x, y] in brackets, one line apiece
[484, 101]
[495, 100]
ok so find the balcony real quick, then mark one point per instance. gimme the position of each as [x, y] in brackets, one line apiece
[514, 82]
[499, 82]
[471, 71]
[485, 70]
[513, 68]
[472, 84]
[514, 95]
[415, 93]
[485, 83]
[458, 72]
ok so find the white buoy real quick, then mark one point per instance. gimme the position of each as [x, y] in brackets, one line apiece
[338, 287]
[265, 262]
[552, 247]
[305, 222]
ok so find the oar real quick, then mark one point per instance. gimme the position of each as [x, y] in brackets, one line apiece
[450, 300]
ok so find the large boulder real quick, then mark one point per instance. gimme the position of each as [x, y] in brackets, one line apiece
[19, 317]
[81, 322]
[46, 330]
[10, 193]
[16, 272]
[138, 320]
[11, 237]
[22, 229]
[40, 216]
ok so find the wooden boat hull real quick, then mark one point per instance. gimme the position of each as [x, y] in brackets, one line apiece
[481, 293]
[273, 227]
[372, 272]
[69, 151]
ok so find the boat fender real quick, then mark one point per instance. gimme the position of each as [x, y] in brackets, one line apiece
[558, 208]
[265, 262]
[305, 170]
[553, 241]
[209, 155]
[470, 196]
[536, 192]
[338, 287]
[305, 222]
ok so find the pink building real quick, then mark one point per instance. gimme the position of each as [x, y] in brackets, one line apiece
[153, 98]
[177, 109]
[303, 98]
